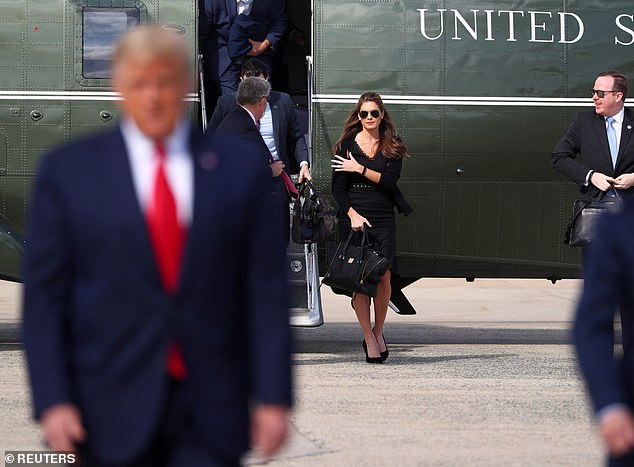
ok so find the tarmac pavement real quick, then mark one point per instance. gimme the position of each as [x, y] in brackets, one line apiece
[483, 375]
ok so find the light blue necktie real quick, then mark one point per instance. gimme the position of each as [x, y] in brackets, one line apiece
[614, 149]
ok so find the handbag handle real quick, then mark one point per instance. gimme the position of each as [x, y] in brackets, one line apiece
[345, 245]
[365, 242]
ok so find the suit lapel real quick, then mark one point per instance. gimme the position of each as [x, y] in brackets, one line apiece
[232, 9]
[126, 202]
[626, 133]
[204, 164]
[602, 135]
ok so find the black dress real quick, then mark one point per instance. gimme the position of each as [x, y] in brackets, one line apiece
[374, 201]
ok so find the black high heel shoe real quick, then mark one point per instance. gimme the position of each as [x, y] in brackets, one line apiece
[386, 352]
[370, 359]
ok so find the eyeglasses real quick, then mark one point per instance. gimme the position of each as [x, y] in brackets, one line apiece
[599, 92]
[364, 113]
[268, 98]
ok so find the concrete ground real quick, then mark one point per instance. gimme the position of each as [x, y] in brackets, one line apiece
[483, 375]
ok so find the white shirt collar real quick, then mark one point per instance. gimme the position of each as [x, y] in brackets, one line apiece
[179, 165]
[177, 141]
[618, 118]
[244, 6]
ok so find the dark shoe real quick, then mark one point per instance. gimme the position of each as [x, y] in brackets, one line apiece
[386, 352]
[371, 359]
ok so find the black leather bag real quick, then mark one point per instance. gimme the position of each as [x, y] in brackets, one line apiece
[584, 217]
[313, 218]
[356, 268]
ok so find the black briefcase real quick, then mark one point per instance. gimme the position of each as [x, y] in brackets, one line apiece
[585, 215]
[313, 218]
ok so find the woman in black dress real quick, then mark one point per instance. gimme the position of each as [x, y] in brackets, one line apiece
[367, 164]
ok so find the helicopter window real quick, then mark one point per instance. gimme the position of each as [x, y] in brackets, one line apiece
[102, 28]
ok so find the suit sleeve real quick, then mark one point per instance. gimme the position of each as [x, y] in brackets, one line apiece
[267, 296]
[295, 137]
[217, 116]
[604, 283]
[564, 156]
[47, 274]
[205, 21]
[279, 20]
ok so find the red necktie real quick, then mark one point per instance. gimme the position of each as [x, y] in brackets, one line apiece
[167, 236]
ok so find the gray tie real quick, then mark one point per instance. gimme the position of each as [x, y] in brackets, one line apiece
[614, 148]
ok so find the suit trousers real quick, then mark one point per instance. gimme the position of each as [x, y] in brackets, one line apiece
[177, 443]
[625, 461]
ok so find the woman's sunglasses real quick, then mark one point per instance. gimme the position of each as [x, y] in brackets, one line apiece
[364, 114]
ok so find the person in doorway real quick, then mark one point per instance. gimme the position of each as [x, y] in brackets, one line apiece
[278, 125]
[232, 30]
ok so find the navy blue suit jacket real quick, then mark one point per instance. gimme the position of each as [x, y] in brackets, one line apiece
[239, 126]
[585, 147]
[608, 280]
[289, 139]
[216, 18]
[97, 322]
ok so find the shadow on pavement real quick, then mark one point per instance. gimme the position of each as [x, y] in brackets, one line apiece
[332, 335]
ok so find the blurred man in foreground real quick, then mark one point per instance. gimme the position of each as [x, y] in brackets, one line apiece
[609, 275]
[155, 304]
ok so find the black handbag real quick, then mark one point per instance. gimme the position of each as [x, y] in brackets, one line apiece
[584, 217]
[313, 218]
[356, 268]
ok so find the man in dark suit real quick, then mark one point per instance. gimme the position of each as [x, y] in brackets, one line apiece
[585, 154]
[155, 303]
[217, 18]
[242, 124]
[608, 279]
[278, 126]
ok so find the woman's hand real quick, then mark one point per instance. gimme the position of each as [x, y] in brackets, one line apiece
[341, 164]
[357, 221]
